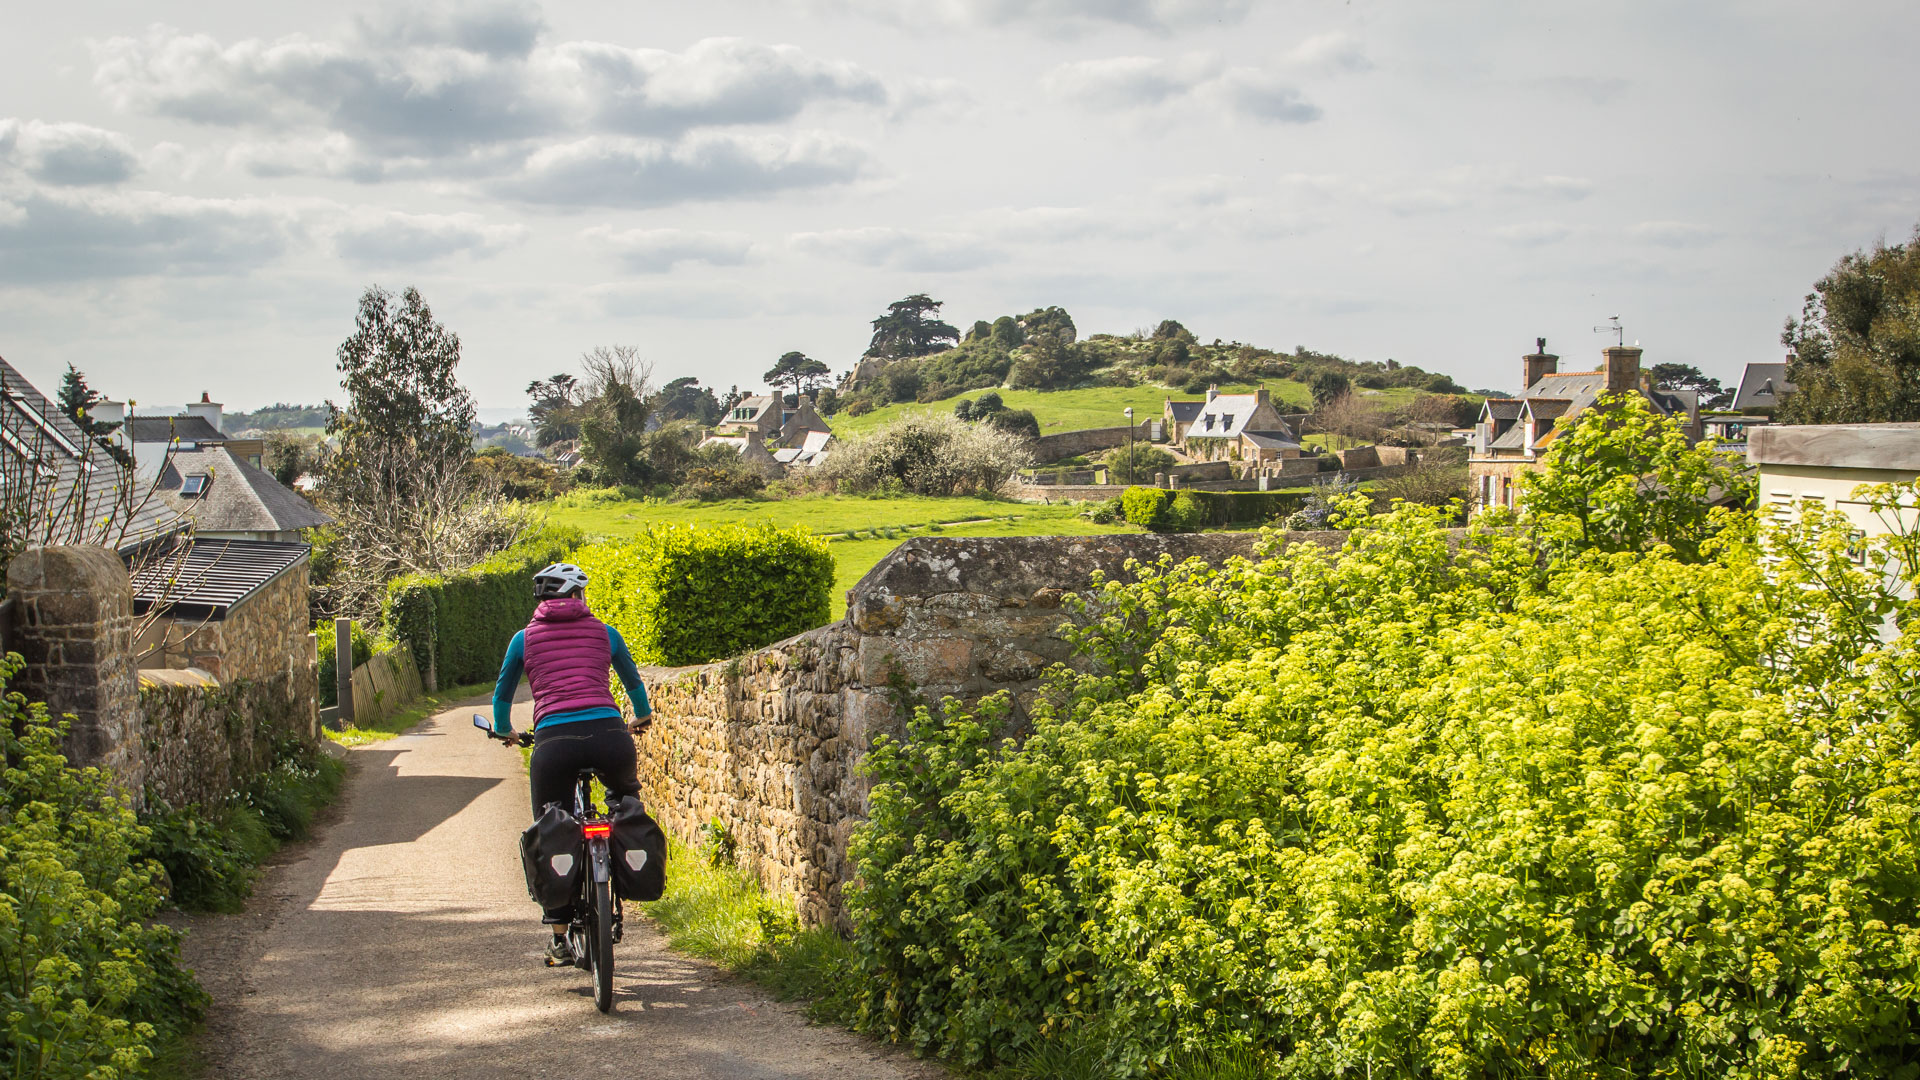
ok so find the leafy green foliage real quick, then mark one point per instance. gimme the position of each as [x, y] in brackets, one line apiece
[555, 408]
[1856, 345]
[1622, 478]
[796, 370]
[1671, 376]
[398, 371]
[77, 400]
[88, 985]
[458, 625]
[928, 454]
[1161, 510]
[718, 472]
[911, 327]
[1136, 462]
[1328, 387]
[1429, 807]
[517, 477]
[685, 399]
[683, 595]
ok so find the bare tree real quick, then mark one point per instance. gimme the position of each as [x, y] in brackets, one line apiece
[1348, 421]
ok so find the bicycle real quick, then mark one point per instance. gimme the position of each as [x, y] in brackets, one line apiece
[596, 921]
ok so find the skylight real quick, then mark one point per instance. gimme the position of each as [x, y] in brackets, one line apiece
[194, 486]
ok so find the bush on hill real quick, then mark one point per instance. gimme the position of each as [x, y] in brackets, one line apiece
[928, 454]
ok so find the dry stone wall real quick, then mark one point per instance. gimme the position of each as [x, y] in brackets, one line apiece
[768, 744]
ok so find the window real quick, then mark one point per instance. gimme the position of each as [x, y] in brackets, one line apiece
[194, 486]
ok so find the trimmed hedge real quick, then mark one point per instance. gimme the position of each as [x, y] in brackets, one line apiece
[458, 625]
[681, 595]
[1162, 510]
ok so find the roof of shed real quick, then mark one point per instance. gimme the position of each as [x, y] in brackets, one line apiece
[205, 579]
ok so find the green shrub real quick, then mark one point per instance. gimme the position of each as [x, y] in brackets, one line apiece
[1419, 808]
[362, 652]
[681, 595]
[1147, 507]
[458, 625]
[210, 857]
[88, 985]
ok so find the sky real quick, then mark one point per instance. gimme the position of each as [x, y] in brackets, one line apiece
[193, 195]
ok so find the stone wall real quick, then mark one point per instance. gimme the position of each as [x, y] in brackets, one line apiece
[768, 743]
[181, 734]
[1062, 445]
[264, 635]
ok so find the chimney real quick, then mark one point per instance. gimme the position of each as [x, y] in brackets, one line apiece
[207, 409]
[1622, 369]
[1260, 397]
[107, 412]
[1539, 363]
[1212, 392]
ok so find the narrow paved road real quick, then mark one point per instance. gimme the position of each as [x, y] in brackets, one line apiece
[399, 942]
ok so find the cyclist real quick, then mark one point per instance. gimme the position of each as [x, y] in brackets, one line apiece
[565, 654]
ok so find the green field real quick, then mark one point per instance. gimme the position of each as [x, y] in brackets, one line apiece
[1101, 406]
[879, 525]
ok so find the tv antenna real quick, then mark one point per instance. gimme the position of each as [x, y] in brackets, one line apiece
[1613, 327]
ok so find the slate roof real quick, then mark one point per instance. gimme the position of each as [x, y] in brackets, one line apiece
[758, 403]
[1548, 408]
[238, 497]
[1503, 408]
[811, 451]
[1270, 440]
[1224, 417]
[1185, 411]
[82, 494]
[205, 579]
[1762, 386]
[187, 429]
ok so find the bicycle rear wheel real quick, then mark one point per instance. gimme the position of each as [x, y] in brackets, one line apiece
[601, 929]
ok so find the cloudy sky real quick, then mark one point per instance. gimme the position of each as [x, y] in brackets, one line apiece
[193, 194]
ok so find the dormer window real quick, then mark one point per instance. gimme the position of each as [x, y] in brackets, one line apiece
[1766, 389]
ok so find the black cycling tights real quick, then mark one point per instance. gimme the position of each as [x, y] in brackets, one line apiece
[561, 751]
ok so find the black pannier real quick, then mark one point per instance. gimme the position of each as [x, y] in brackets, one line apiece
[639, 851]
[553, 852]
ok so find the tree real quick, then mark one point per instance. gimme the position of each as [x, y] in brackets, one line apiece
[77, 400]
[1327, 386]
[289, 457]
[797, 370]
[1623, 478]
[1136, 463]
[909, 329]
[1171, 330]
[614, 414]
[903, 383]
[685, 399]
[556, 409]
[1856, 345]
[398, 486]
[928, 454]
[1687, 377]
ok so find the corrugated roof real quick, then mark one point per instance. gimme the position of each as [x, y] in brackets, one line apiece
[238, 497]
[205, 579]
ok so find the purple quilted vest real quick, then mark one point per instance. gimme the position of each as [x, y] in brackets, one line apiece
[568, 659]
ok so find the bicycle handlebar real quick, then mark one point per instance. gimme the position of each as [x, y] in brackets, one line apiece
[510, 738]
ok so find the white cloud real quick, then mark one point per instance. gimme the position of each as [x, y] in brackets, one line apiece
[51, 236]
[1154, 15]
[1674, 234]
[1570, 188]
[1533, 233]
[901, 249]
[608, 171]
[389, 238]
[1329, 52]
[66, 154]
[657, 251]
[1124, 83]
[468, 96]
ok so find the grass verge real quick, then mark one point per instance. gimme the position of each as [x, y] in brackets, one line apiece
[406, 718]
[716, 911]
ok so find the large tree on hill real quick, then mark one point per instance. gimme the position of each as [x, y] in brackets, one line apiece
[77, 400]
[797, 370]
[1856, 345]
[614, 416]
[910, 328]
[685, 399]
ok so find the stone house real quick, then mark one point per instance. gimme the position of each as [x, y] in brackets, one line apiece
[235, 609]
[776, 425]
[1231, 427]
[228, 498]
[1762, 387]
[751, 448]
[1514, 432]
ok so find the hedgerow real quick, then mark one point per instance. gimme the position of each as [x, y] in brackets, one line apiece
[683, 595]
[1430, 807]
[88, 986]
[458, 625]
[1162, 510]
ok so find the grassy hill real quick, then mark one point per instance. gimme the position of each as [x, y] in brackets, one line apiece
[860, 531]
[1101, 406]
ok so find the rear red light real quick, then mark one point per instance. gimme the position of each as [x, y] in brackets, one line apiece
[597, 830]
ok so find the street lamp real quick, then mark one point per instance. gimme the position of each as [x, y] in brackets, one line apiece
[1130, 460]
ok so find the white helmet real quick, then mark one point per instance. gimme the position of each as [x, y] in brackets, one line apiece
[560, 579]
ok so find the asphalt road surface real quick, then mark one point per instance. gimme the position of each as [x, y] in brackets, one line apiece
[399, 942]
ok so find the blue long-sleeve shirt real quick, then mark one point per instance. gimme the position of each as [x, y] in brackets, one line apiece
[515, 665]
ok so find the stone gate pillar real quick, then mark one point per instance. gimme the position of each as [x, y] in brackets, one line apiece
[73, 624]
